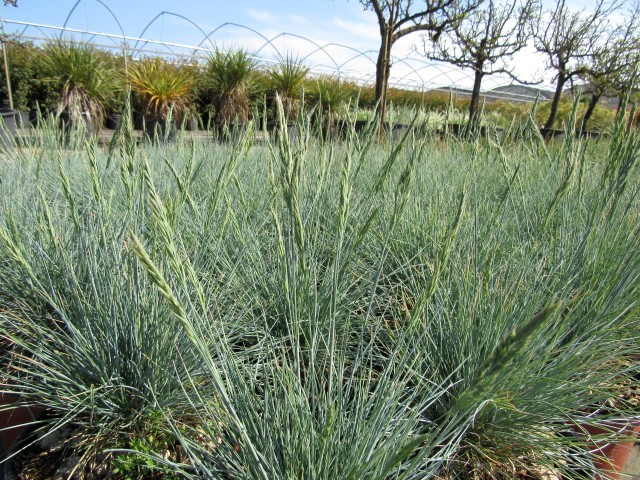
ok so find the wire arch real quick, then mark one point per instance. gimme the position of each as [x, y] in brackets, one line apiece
[404, 61]
[207, 36]
[161, 14]
[64, 26]
[26, 27]
[115, 17]
[364, 54]
[319, 47]
[426, 65]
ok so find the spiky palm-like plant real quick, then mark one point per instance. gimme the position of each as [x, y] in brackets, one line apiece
[287, 79]
[163, 87]
[227, 75]
[330, 95]
[83, 77]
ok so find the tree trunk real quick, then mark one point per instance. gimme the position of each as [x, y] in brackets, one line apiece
[595, 97]
[383, 68]
[474, 111]
[556, 101]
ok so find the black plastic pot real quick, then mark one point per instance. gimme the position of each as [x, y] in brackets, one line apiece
[588, 134]
[207, 121]
[343, 128]
[229, 133]
[292, 131]
[8, 128]
[398, 130]
[551, 133]
[113, 121]
[269, 126]
[23, 120]
[67, 123]
[34, 117]
[329, 130]
[191, 124]
[159, 130]
[360, 125]
[461, 130]
[138, 121]
[274, 128]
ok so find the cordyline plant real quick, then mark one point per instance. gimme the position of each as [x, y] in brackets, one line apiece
[331, 96]
[287, 79]
[164, 87]
[83, 75]
[227, 75]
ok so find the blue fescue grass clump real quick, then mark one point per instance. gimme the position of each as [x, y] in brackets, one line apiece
[324, 308]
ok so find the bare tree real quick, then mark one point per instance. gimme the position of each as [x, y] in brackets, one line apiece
[11, 2]
[614, 64]
[398, 18]
[569, 39]
[484, 41]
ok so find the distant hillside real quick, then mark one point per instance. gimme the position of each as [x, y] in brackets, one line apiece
[517, 93]
[512, 93]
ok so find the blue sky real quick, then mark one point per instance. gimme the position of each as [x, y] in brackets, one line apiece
[341, 26]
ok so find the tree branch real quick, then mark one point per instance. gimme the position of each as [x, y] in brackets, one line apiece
[414, 28]
[378, 11]
[424, 13]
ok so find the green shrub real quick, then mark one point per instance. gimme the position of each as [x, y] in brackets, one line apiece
[26, 84]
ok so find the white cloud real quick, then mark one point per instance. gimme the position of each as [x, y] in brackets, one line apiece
[366, 31]
[263, 16]
[298, 20]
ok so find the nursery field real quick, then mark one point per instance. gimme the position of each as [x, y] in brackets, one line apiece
[319, 308]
